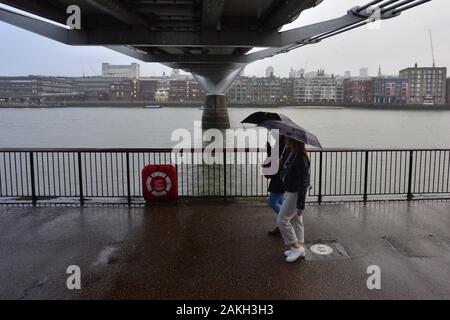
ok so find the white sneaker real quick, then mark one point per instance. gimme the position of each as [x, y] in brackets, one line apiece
[287, 252]
[295, 254]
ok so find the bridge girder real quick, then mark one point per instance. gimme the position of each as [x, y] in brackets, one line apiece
[141, 42]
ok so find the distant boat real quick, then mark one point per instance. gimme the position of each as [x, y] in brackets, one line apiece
[157, 106]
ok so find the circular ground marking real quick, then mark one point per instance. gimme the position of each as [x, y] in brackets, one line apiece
[321, 249]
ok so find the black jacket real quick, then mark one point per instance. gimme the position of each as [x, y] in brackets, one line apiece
[276, 183]
[296, 177]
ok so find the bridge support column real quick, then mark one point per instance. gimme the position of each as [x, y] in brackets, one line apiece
[215, 112]
[215, 79]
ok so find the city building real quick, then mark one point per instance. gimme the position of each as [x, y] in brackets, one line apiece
[121, 91]
[358, 91]
[36, 89]
[195, 92]
[162, 94]
[448, 91]
[287, 89]
[260, 90]
[95, 88]
[147, 89]
[269, 90]
[364, 72]
[178, 90]
[348, 90]
[270, 71]
[239, 91]
[131, 71]
[426, 85]
[321, 88]
[390, 90]
[348, 74]
[413, 86]
[292, 73]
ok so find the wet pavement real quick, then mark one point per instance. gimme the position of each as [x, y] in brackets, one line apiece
[216, 250]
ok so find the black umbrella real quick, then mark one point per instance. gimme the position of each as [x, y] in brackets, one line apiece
[292, 130]
[260, 116]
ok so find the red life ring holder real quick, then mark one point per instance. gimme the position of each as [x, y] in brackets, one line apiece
[158, 184]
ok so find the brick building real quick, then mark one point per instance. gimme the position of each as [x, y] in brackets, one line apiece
[178, 90]
[195, 92]
[426, 85]
[147, 89]
[358, 90]
[121, 91]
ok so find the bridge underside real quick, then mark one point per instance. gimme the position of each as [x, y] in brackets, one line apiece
[211, 39]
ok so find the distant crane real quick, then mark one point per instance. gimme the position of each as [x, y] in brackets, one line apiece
[432, 48]
[430, 97]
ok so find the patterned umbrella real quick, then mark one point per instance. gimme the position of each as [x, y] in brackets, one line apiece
[292, 130]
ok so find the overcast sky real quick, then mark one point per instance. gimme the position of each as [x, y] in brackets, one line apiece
[399, 43]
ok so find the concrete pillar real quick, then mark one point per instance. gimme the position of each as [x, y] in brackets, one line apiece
[215, 113]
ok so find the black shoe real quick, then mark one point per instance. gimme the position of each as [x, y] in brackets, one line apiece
[274, 232]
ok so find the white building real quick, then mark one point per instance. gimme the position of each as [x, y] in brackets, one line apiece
[131, 71]
[319, 89]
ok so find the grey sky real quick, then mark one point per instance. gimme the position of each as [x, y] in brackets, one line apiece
[398, 44]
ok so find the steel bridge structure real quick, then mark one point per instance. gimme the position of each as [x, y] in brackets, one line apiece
[212, 39]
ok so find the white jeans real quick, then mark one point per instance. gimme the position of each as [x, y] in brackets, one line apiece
[289, 221]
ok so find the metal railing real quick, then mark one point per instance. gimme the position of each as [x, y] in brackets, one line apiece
[81, 175]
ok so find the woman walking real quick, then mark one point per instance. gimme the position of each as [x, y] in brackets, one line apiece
[296, 181]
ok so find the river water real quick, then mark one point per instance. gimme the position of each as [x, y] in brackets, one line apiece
[146, 128]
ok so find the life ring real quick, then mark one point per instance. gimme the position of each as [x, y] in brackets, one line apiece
[158, 184]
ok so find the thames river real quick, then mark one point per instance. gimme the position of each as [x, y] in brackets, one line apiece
[146, 128]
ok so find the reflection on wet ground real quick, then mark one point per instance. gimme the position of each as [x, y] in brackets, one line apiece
[220, 250]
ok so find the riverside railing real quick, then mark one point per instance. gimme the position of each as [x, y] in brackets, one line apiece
[40, 176]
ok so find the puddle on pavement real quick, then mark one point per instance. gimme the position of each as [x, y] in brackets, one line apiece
[103, 256]
[418, 246]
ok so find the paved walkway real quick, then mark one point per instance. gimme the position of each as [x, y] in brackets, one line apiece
[213, 250]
